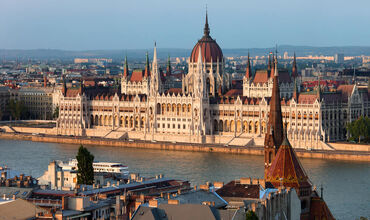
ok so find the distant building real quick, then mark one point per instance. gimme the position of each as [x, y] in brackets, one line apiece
[40, 102]
[286, 55]
[57, 178]
[4, 101]
[339, 58]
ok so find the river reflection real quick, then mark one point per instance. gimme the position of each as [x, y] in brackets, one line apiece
[346, 183]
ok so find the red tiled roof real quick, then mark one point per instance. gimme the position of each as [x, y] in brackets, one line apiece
[233, 189]
[89, 83]
[234, 93]
[261, 76]
[319, 209]
[307, 98]
[210, 50]
[346, 91]
[174, 91]
[137, 76]
[284, 77]
[333, 97]
[72, 92]
[286, 169]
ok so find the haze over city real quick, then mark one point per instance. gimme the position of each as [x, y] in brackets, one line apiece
[88, 25]
[271, 121]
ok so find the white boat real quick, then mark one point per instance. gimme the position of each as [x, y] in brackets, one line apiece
[99, 167]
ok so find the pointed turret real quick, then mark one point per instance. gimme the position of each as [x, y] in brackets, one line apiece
[125, 68]
[155, 77]
[168, 70]
[248, 70]
[269, 63]
[294, 68]
[318, 88]
[81, 89]
[206, 26]
[274, 135]
[273, 65]
[295, 92]
[64, 89]
[147, 71]
[198, 76]
[286, 170]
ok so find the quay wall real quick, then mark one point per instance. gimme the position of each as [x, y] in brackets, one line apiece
[333, 155]
[351, 147]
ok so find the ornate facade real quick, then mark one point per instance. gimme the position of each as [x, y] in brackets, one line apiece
[206, 109]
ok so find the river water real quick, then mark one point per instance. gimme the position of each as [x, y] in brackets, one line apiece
[346, 183]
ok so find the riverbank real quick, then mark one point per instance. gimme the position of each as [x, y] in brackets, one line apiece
[322, 154]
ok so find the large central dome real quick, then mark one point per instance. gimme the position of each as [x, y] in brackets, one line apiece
[210, 49]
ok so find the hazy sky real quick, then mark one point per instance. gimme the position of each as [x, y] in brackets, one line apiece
[136, 24]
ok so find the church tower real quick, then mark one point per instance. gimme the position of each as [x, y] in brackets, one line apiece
[155, 80]
[247, 78]
[274, 135]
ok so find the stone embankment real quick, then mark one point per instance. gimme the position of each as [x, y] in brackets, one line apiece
[322, 154]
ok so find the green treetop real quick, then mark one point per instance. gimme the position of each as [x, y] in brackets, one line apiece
[85, 166]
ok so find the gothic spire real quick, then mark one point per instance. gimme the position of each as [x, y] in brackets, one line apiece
[206, 26]
[125, 68]
[273, 65]
[318, 88]
[64, 89]
[248, 70]
[295, 92]
[81, 89]
[275, 117]
[294, 68]
[168, 70]
[269, 63]
[147, 73]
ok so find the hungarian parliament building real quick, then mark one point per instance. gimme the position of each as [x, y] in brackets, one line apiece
[207, 109]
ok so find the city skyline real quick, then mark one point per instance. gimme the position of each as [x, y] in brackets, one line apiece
[127, 25]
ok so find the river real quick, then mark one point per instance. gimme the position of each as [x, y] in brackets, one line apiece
[346, 183]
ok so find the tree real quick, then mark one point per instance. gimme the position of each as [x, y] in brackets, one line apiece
[250, 215]
[17, 109]
[85, 160]
[359, 129]
[56, 112]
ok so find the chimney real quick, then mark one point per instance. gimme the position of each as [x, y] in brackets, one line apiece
[4, 174]
[245, 181]
[218, 185]
[173, 202]
[204, 187]
[64, 203]
[153, 203]
[255, 181]
[262, 183]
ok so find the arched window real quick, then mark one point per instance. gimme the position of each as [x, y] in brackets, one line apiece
[270, 157]
[208, 87]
